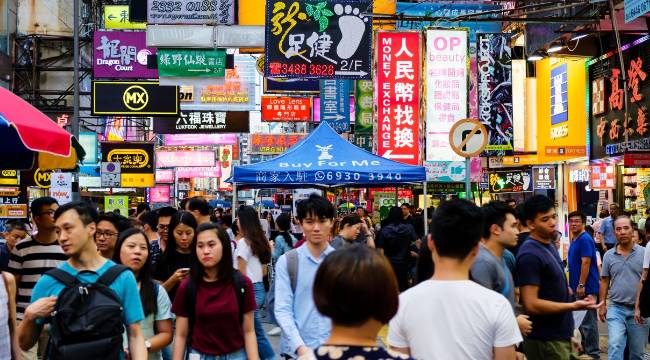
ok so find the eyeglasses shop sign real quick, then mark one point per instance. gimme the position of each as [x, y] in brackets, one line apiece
[134, 98]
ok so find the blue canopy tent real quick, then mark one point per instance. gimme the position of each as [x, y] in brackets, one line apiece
[325, 159]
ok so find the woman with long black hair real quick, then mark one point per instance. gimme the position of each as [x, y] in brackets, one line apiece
[215, 304]
[175, 262]
[285, 240]
[132, 250]
[253, 256]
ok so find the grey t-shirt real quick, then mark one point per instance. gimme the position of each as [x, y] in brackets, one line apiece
[624, 274]
[494, 274]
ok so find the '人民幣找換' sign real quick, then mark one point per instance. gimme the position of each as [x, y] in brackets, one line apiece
[324, 39]
[122, 54]
[398, 87]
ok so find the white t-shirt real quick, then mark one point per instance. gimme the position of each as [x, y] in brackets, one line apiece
[646, 257]
[253, 265]
[453, 320]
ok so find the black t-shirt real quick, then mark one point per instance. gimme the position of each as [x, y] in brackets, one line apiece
[523, 236]
[167, 264]
[396, 240]
[540, 264]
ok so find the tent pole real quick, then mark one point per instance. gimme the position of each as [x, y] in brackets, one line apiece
[234, 200]
[426, 208]
[396, 196]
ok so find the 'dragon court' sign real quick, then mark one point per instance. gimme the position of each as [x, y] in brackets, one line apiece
[323, 39]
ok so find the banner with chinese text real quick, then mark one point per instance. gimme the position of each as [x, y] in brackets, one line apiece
[612, 132]
[136, 162]
[272, 143]
[283, 108]
[494, 60]
[335, 104]
[186, 12]
[398, 95]
[115, 202]
[446, 66]
[122, 54]
[325, 39]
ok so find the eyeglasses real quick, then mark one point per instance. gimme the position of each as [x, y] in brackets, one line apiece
[105, 233]
[163, 227]
[48, 212]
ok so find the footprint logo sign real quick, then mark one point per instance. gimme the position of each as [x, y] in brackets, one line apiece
[353, 28]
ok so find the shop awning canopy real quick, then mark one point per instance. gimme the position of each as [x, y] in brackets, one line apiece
[325, 159]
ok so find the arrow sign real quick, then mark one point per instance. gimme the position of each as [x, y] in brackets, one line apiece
[351, 73]
[389, 155]
[335, 104]
[111, 17]
[199, 70]
[336, 117]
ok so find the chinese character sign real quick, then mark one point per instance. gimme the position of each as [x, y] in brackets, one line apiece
[613, 130]
[335, 104]
[215, 12]
[364, 103]
[272, 143]
[559, 95]
[494, 60]
[398, 96]
[321, 39]
[191, 62]
[119, 203]
[136, 162]
[159, 194]
[446, 90]
[121, 54]
[276, 108]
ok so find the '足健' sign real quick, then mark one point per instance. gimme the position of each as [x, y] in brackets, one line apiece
[510, 181]
[494, 58]
[282, 108]
[324, 39]
[186, 12]
[446, 90]
[398, 88]
[122, 54]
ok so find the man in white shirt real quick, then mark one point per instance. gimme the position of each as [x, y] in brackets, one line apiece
[449, 316]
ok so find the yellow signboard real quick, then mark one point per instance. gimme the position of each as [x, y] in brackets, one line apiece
[138, 180]
[117, 17]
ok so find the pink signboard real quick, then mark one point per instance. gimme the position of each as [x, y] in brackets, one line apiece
[317, 110]
[159, 194]
[164, 176]
[165, 159]
[122, 54]
[200, 139]
[199, 172]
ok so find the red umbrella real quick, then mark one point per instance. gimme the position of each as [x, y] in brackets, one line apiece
[36, 131]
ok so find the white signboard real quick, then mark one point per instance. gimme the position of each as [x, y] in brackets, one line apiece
[186, 36]
[446, 66]
[240, 36]
[111, 174]
[61, 188]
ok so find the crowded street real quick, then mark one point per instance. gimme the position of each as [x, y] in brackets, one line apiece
[324, 179]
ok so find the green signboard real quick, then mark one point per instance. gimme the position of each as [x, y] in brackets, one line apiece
[117, 202]
[445, 188]
[191, 62]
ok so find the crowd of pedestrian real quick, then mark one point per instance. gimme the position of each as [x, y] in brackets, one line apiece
[193, 283]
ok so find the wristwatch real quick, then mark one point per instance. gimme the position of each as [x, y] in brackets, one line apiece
[147, 343]
[581, 285]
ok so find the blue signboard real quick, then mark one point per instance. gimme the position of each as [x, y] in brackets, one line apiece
[448, 10]
[335, 104]
[635, 8]
[559, 95]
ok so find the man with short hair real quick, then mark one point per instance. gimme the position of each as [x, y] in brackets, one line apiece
[544, 288]
[583, 279]
[619, 281]
[15, 231]
[149, 221]
[512, 203]
[490, 269]
[303, 327]
[406, 212]
[607, 226]
[200, 209]
[164, 218]
[449, 316]
[75, 225]
[33, 257]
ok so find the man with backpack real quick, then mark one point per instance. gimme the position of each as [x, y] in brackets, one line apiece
[303, 327]
[87, 301]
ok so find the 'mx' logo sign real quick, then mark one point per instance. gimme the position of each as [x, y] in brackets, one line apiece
[135, 98]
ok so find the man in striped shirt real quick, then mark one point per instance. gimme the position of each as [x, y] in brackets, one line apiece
[34, 256]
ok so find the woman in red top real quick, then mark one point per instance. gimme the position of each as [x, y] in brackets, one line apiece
[217, 332]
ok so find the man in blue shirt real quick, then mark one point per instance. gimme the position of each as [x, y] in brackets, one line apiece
[607, 227]
[75, 225]
[583, 279]
[303, 327]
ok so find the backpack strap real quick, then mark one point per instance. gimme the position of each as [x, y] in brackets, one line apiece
[63, 277]
[111, 274]
[239, 284]
[292, 268]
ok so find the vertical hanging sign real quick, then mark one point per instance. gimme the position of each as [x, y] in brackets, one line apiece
[398, 95]
[335, 104]
[446, 89]
[494, 60]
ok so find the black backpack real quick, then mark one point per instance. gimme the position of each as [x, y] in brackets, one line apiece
[239, 284]
[87, 318]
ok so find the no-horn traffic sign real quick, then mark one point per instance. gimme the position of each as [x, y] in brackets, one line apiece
[468, 137]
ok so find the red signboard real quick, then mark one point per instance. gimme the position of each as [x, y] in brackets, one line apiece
[398, 96]
[603, 177]
[282, 108]
[636, 159]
